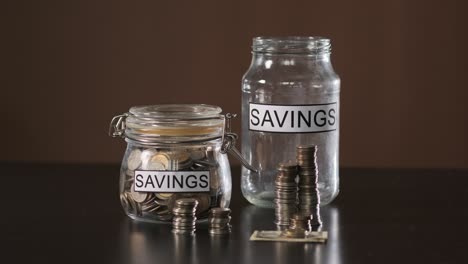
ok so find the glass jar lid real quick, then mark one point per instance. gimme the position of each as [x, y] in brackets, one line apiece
[173, 123]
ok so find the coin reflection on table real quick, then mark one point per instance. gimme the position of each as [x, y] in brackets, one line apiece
[255, 218]
[185, 249]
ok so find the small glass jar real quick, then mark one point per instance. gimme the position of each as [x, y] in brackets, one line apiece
[173, 152]
[290, 97]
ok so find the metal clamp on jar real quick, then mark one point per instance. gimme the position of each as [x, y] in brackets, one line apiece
[174, 151]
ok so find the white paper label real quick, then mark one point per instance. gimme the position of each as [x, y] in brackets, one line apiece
[293, 118]
[172, 181]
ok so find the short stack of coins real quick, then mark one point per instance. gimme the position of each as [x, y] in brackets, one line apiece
[299, 225]
[220, 219]
[300, 221]
[285, 193]
[184, 219]
[309, 199]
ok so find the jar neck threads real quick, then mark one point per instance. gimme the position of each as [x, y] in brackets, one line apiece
[295, 45]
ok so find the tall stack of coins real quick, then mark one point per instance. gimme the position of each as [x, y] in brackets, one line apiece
[309, 200]
[219, 221]
[285, 193]
[184, 219]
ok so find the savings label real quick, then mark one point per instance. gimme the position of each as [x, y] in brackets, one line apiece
[312, 118]
[172, 181]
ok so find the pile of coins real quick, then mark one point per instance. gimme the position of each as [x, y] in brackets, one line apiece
[285, 193]
[159, 206]
[138, 202]
[219, 221]
[184, 220]
[309, 200]
[299, 225]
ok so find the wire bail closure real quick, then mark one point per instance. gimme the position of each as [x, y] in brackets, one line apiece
[229, 144]
[117, 125]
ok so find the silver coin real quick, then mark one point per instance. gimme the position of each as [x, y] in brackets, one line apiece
[183, 220]
[184, 229]
[306, 147]
[220, 222]
[220, 211]
[219, 226]
[138, 197]
[288, 168]
[181, 225]
[136, 207]
[187, 201]
[146, 156]
[286, 185]
[160, 161]
[179, 160]
[220, 231]
[183, 232]
[124, 202]
[183, 212]
[130, 174]
[134, 159]
[294, 233]
[150, 205]
[197, 154]
[162, 198]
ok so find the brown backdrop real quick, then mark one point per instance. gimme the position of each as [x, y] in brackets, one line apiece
[69, 66]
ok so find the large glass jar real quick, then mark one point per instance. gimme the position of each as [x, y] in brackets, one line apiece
[173, 152]
[290, 97]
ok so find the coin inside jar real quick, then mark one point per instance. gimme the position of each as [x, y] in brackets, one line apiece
[197, 154]
[138, 197]
[180, 160]
[134, 159]
[162, 198]
[150, 207]
[159, 162]
[132, 205]
[124, 202]
[146, 156]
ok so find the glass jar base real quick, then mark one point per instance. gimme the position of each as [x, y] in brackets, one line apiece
[265, 199]
[159, 221]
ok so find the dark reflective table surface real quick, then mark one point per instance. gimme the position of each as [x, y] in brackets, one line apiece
[58, 213]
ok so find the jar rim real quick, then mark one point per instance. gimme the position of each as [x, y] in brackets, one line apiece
[175, 111]
[315, 45]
